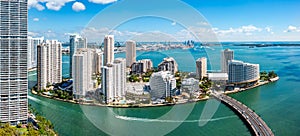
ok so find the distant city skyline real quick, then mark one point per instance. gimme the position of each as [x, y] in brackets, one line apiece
[234, 20]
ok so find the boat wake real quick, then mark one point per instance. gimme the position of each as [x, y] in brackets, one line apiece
[33, 99]
[169, 121]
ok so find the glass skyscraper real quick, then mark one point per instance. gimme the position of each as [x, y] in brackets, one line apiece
[76, 42]
[13, 61]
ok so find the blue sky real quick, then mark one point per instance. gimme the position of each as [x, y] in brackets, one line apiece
[230, 20]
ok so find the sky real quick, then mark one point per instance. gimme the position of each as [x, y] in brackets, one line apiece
[167, 20]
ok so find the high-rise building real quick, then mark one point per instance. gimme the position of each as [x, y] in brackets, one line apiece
[201, 67]
[83, 61]
[130, 52]
[98, 61]
[49, 65]
[162, 84]
[119, 67]
[109, 45]
[240, 72]
[76, 42]
[114, 80]
[226, 56]
[32, 51]
[13, 62]
[142, 66]
[168, 64]
[108, 83]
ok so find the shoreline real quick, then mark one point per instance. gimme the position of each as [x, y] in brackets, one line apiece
[252, 87]
[156, 105]
[117, 106]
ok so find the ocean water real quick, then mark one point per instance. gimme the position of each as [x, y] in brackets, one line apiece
[277, 103]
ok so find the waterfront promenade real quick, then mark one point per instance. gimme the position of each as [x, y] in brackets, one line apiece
[258, 126]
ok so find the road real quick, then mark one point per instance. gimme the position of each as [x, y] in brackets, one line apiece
[259, 127]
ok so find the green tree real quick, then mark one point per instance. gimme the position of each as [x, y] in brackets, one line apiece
[146, 79]
[7, 130]
[263, 75]
[178, 84]
[134, 78]
[272, 74]
[205, 85]
[169, 99]
[31, 130]
[177, 74]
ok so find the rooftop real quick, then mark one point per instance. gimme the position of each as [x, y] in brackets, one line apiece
[218, 76]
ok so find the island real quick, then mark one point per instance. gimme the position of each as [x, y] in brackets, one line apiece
[142, 85]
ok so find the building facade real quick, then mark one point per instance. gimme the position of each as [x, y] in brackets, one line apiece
[219, 81]
[168, 64]
[108, 84]
[142, 66]
[130, 52]
[32, 51]
[226, 56]
[240, 72]
[162, 84]
[13, 62]
[76, 42]
[109, 45]
[98, 61]
[119, 67]
[201, 68]
[83, 62]
[114, 80]
[49, 63]
[190, 85]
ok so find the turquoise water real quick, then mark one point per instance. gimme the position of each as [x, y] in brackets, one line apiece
[277, 103]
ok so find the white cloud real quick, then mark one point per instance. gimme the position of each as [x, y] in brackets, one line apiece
[39, 7]
[153, 36]
[102, 1]
[50, 4]
[35, 4]
[32, 34]
[184, 34]
[51, 35]
[292, 29]
[253, 33]
[248, 34]
[78, 6]
[56, 4]
[202, 23]
[36, 19]
[268, 29]
[68, 34]
[247, 30]
[95, 34]
[215, 29]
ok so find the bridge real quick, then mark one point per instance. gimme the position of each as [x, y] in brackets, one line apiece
[259, 127]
